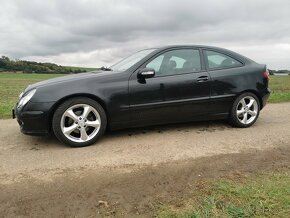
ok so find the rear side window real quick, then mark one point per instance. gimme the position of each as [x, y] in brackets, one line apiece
[219, 60]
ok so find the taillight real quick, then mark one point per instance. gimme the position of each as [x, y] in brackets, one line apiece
[266, 75]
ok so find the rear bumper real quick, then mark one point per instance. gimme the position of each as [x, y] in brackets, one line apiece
[265, 97]
[33, 119]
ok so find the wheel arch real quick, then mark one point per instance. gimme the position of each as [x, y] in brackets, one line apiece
[255, 93]
[60, 101]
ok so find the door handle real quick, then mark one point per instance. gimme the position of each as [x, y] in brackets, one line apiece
[202, 79]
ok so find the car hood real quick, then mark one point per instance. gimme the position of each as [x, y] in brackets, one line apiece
[63, 79]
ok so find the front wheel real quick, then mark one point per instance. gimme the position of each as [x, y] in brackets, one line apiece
[79, 122]
[245, 110]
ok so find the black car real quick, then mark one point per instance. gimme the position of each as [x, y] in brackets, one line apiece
[153, 86]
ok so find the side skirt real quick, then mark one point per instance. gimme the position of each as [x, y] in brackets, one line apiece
[143, 123]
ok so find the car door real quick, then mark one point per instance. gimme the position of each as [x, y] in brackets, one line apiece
[179, 91]
[225, 71]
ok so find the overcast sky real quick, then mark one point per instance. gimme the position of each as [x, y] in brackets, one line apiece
[96, 33]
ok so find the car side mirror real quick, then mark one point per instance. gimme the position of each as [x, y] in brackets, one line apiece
[146, 73]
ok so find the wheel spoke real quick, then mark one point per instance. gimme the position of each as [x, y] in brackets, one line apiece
[245, 118]
[68, 130]
[95, 123]
[71, 114]
[251, 103]
[243, 102]
[87, 110]
[84, 134]
[252, 113]
[239, 112]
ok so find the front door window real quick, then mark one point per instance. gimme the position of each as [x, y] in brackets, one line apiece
[176, 62]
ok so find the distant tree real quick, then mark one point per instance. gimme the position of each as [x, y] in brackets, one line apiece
[271, 72]
[3, 61]
[34, 67]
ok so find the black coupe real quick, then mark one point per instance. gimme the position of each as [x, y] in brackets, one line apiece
[153, 86]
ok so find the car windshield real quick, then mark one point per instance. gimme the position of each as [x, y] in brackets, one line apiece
[131, 60]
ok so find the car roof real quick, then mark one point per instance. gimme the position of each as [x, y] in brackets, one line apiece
[185, 45]
[161, 48]
[193, 46]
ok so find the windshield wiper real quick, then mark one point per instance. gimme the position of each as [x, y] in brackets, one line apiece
[105, 69]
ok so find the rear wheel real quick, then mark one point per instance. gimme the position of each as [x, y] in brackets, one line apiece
[79, 122]
[245, 110]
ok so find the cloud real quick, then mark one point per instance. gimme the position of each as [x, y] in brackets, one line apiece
[95, 33]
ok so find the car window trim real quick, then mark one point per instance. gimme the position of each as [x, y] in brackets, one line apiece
[220, 68]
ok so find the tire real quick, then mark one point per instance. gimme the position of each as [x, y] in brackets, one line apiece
[79, 122]
[245, 110]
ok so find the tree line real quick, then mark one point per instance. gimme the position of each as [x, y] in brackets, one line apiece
[9, 65]
[273, 72]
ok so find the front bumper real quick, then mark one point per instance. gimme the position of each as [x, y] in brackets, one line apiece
[33, 118]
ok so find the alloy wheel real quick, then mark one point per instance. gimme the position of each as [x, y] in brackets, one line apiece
[247, 110]
[80, 123]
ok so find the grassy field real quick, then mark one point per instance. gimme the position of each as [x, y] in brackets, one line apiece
[262, 196]
[12, 84]
[280, 86]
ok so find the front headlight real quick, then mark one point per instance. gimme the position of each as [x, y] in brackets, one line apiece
[23, 101]
[20, 96]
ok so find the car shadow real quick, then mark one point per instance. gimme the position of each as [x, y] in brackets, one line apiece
[199, 126]
[42, 142]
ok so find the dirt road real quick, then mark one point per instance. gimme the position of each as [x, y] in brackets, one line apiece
[41, 176]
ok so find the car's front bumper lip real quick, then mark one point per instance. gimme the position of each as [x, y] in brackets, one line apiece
[34, 119]
[28, 114]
